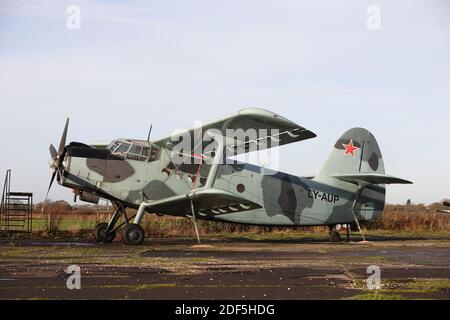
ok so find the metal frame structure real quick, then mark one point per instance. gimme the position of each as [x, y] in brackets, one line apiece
[16, 210]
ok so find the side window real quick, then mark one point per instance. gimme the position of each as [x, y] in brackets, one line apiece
[135, 149]
[146, 152]
[135, 152]
[155, 154]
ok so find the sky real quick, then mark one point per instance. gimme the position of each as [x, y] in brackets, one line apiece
[325, 65]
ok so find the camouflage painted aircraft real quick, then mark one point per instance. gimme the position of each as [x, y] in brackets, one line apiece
[445, 203]
[142, 175]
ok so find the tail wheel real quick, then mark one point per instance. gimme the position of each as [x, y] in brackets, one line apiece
[101, 235]
[132, 234]
[335, 236]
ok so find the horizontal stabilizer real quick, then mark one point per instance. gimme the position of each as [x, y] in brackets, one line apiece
[371, 178]
[444, 211]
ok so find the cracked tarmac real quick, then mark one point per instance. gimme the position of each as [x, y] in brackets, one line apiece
[224, 269]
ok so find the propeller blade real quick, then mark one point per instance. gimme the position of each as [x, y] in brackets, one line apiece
[53, 152]
[149, 133]
[48, 191]
[62, 143]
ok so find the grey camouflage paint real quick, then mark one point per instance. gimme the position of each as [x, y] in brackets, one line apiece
[284, 199]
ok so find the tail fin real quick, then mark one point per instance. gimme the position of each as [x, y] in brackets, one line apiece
[356, 158]
[356, 152]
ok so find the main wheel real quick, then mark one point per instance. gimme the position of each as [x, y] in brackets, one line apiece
[101, 235]
[132, 234]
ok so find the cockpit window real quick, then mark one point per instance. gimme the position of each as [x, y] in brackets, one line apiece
[123, 148]
[113, 146]
[135, 149]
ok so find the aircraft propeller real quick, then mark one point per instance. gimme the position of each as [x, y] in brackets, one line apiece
[149, 133]
[57, 158]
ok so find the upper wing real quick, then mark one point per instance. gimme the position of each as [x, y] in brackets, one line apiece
[206, 202]
[268, 130]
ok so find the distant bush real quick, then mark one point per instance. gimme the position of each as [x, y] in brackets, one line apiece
[416, 218]
[411, 218]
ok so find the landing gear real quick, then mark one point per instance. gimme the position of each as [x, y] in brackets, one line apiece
[132, 234]
[334, 235]
[101, 234]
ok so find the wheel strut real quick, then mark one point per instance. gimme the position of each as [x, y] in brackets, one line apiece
[112, 223]
[354, 207]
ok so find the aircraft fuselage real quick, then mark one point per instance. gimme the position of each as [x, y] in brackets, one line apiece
[281, 199]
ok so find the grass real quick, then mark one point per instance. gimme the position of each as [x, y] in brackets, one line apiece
[366, 259]
[378, 296]
[138, 287]
[404, 289]
[40, 224]
[396, 220]
[421, 285]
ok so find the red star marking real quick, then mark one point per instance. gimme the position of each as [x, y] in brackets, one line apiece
[350, 148]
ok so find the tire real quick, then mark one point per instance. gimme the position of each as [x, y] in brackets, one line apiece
[100, 233]
[132, 234]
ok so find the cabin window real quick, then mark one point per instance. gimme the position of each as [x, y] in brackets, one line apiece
[155, 154]
[135, 149]
[146, 152]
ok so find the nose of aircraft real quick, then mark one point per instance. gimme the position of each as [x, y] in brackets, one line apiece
[52, 164]
[57, 157]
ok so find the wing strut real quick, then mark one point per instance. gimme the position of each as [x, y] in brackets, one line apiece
[195, 222]
[217, 161]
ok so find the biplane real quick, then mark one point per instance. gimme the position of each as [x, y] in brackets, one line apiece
[445, 203]
[202, 180]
